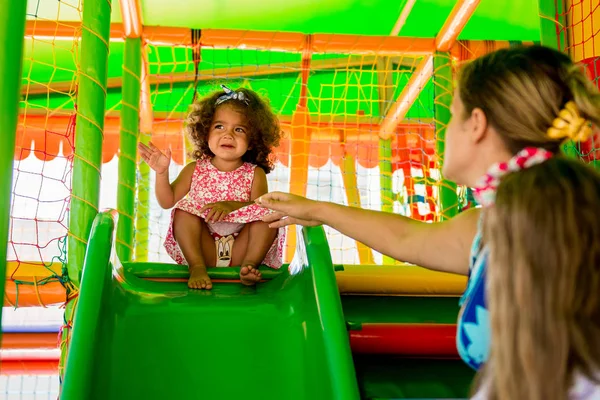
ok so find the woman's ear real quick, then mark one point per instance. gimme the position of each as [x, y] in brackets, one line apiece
[479, 125]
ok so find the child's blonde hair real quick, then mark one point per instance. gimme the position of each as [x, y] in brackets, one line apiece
[543, 281]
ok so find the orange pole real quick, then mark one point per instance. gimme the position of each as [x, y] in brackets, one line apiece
[28, 295]
[299, 152]
[462, 11]
[224, 38]
[227, 38]
[30, 340]
[300, 144]
[398, 110]
[380, 45]
[169, 36]
[132, 21]
[65, 29]
[305, 71]
[408, 6]
[445, 40]
[29, 367]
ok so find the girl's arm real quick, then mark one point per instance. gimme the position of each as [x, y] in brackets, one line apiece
[443, 246]
[168, 194]
[260, 185]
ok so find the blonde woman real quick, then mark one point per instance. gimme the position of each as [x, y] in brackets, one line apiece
[542, 226]
[505, 101]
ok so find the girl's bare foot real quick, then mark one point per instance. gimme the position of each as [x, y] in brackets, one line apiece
[249, 274]
[199, 279]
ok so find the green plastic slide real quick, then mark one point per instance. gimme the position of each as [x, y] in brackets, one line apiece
[137, 338]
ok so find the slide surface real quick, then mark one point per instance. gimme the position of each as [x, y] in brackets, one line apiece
[136, 336]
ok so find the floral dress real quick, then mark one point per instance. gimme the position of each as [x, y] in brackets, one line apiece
[210, 185]
[473, 335]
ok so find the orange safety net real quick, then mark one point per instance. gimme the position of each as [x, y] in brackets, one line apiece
[582, 33]
[43, 163]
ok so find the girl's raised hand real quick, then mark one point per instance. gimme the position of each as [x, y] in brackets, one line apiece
[156, 159]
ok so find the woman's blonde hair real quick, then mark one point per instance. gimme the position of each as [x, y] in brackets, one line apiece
[543, 281]
[522, 91]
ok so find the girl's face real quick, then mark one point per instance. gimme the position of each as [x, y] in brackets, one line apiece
[228, 137]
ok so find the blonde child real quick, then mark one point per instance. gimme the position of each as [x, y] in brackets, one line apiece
[214, 221]
[542, 228]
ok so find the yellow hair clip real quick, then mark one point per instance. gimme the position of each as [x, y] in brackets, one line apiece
[570, 125]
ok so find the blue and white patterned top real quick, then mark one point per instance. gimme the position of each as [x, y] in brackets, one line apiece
[473, 330]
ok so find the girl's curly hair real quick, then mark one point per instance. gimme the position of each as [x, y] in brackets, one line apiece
[264, 131]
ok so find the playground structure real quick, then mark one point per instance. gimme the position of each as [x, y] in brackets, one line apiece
[347, 102]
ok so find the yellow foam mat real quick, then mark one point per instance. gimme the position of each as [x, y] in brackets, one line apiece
[25, 269]
[402, 279]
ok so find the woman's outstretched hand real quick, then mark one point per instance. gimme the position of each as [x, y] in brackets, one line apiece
[289, 210]
[156, 159]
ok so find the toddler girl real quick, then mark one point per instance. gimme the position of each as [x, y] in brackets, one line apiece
[214, 221]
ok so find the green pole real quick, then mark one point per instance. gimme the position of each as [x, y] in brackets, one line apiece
[130, 126]
[12, 31]
[91, 104]
[385, 182]
[142, 216]
[442, 80]
[385, 86]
